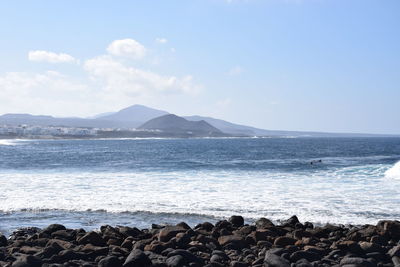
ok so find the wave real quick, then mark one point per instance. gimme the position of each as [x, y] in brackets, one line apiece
[11, 142]
[393, 172]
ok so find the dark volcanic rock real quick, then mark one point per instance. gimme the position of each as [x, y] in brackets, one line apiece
[169, 232]
[233, 241]
[92, 238]
[27, 261]
[236, 221]
[3, 241]
[283, 241]
[273, 260]
[227, 243]
[53, 228]
[110, 261]
[356, 261]
[175, 261]
[137, 259]
[263, 223]
[389, 228]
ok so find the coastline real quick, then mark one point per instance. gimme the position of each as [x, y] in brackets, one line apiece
[225, 243]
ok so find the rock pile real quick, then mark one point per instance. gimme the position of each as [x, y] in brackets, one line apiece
[227, 243]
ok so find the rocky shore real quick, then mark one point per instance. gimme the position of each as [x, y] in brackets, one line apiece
[227, 243]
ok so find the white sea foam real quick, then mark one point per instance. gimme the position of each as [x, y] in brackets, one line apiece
[8, 142]
[354, 195]
[393, 172]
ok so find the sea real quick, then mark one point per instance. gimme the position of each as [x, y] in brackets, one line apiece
[138, 182]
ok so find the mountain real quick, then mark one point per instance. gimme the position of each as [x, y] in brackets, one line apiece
[136, 114]
[175, 125]
[100, 115]
[231, 128]
[242, 130]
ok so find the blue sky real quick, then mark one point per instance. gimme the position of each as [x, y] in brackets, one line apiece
[315, 65]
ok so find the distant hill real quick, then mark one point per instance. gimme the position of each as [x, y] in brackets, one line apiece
[141, 116]
[242, 130]
[40, 120]
[231, 128]
[136, 114]
[176, 125]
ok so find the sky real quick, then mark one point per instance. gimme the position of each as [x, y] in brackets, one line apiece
[307, 65]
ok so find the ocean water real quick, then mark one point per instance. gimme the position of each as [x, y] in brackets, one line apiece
[88, 183]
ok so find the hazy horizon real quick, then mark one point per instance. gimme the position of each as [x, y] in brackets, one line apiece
[310, 65]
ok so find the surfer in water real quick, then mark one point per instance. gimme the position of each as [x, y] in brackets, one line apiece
[315, 161]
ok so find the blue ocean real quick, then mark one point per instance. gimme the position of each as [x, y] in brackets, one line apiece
[88, 183]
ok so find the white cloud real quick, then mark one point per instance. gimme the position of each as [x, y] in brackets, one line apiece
[161, 40]
[51, 57]
[106, 83]
[41, 93]
[127, 48]
[235, 70]
[119, 78]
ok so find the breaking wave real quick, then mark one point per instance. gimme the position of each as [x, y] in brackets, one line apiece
[393, 172]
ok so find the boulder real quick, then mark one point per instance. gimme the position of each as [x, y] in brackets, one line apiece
[169, 232]
[53, 228]
[390, 229]
[92, 238]
[234, 241]
[356, 262]
[175, 261]
[3, 241]
[273, 260]
[27, 261]
[236, 221]
[137, 259]
[263, 223]
[284, 241]
[110, 261]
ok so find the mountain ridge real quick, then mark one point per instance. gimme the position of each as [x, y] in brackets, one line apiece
[174, 124]
[136, 115]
